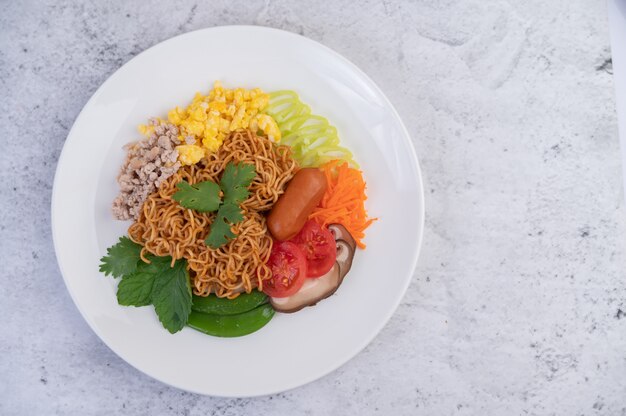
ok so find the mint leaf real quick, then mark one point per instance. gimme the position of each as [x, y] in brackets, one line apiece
[235, 181]
[220, 232]
[171, 296]
[122, 258]
[202, 197]
[135, 289]
[157, 283]
[156, 264]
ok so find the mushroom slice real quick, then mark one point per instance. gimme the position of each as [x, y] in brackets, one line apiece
[345, 254]
[341, 233]
[312, 291]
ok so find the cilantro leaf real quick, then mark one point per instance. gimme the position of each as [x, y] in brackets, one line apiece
[202, 197]
[235, 181]
[220, 231]
[122, 258]
[171, 296]
[231, 213]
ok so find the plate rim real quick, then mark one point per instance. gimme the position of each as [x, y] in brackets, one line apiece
[418, 177]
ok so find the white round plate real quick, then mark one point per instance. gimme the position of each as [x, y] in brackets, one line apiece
[293, 349]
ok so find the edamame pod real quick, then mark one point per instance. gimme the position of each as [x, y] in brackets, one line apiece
[222, 306]
[229, 326]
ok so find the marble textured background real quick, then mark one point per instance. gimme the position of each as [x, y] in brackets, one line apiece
[518, 305]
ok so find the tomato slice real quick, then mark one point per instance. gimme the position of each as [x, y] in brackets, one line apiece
[288, 265]
[319, 247]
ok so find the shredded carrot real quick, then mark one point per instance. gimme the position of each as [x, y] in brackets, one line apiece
[344, 200]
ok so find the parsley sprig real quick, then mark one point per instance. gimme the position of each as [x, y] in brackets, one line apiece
[205, 197]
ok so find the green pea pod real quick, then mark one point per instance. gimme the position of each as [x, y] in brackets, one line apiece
[222, 306]
[229, 326]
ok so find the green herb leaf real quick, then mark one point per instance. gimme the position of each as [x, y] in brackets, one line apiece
[220, 232]
[235, 181]
[135, 289]
[202, 197]
[157, 263]
[171, 296]
[231, 213]
[205, 197]
[122, 258]
[167, 288]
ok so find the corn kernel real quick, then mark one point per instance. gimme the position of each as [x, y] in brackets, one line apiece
[198, 114]
[210, 118]
[189, 154]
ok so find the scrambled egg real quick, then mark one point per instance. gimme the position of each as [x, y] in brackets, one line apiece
[209, 119]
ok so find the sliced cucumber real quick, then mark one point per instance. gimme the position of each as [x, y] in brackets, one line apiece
[312, 139]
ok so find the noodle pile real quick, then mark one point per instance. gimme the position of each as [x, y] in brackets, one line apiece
[165, 228]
